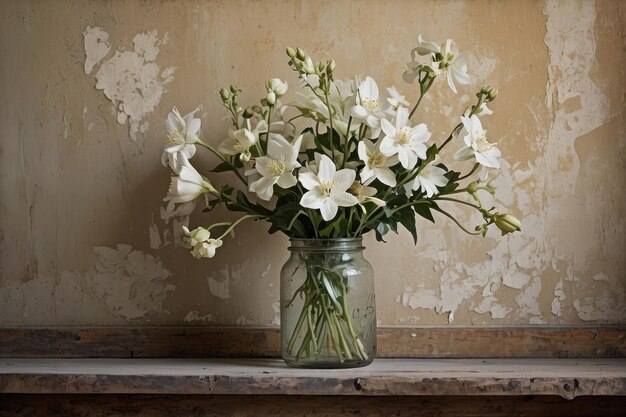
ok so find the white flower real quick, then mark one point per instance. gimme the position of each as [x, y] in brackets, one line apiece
[240, 141]
[310, 105]
[395, 101]
[200, 240]
[477, 145]
[187, 186]
[429, 178]
[442, 59]
[277, 86]
[328, 188]
[367, 108]
[403, 140]
[182, 134]
[277, 166]
[376, 164]
[365, 194]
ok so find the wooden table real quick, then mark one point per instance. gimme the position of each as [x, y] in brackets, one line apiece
[237, 382]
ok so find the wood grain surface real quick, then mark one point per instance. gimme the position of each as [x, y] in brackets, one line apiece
[567, 378]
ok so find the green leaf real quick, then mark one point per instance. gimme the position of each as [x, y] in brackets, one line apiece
[406, 217]
[432, 152]
[288, 218]
[223, 167]
[424, 211]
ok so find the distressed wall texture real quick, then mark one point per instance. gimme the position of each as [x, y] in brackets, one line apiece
[85, 88]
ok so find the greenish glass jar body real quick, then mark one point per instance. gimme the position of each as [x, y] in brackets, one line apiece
[328, 305]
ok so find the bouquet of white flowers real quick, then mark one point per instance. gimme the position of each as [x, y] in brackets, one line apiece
[338, 161]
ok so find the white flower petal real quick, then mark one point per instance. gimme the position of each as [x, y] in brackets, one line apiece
[464, 153]
[308, 180]
[312, 200]
[344, 199]
[328, 209]
[344, 179]
[326, 169]
[386, 176]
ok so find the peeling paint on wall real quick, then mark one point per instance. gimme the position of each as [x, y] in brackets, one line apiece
[132, 80]
[219, 287]
[130, 283]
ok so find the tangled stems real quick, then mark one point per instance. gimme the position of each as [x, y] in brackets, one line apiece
[324, 322]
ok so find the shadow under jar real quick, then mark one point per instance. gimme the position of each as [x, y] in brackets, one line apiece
[328, 305]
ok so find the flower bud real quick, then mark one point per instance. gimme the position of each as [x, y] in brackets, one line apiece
[225, 94]
[489, 92]
[234, 89]
[245, 156]
[331, 66]
[307, 65]
[197, 235]
[277, 86]
[248, 113]
[300, 54]
[507, 223]
[291, 52]
[472, 187]
[493, 94]
[271, 98]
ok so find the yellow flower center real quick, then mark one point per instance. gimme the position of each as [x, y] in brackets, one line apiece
[370, 104]
[482, 144]
[403, 136]
[276, 168]
[327, 187]
[175, 138]
[377, 159]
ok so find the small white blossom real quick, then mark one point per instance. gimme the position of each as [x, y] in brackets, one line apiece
[367, 108]
[477, 145]
[365, 194]
[277, 166]
[395, 100]
[187, 186]
[429, 178]
[328, 188]
[377, 165]
[409, 143]
[182, 134]
[240, 141]
[278, 86]
[200, 240]
[441, 59]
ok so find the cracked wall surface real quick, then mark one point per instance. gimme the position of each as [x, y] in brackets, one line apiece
[86, 87]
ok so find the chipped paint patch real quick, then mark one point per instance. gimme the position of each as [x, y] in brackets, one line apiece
[131, 80]
[219, 287]
[130, 283]
[97, 46]
[557, 301]
[194, 315]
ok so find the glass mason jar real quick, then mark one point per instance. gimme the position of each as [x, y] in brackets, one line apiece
[327, 305]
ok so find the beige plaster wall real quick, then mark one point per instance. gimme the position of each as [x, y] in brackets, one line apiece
[85, 87]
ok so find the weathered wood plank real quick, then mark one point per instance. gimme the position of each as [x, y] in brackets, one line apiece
[200, 341]
[567, 378]
[303, 406]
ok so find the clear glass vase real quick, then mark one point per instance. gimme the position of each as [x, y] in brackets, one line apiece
[328, 305]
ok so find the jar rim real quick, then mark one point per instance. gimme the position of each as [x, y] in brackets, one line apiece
[337, 244]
